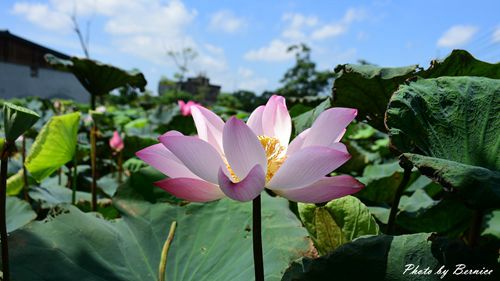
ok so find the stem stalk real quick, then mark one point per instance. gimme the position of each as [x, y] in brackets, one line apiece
[25, 173]
[257, 240]
[397, 197]
[73, 178]
[93, 186]
[3, 223]
[164, 252]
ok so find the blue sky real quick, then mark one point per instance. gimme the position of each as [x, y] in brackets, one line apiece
[242, 44]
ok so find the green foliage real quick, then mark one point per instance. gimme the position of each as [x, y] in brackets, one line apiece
[492, 224]
[174, 95]
[15, 183]
[208, 244]
[420, 213]
[132, 144]
[338, 222]
[452, 125]
[55, 195]
[445, 127]
[134, 165]
[108, 184]
[461, 63]
[18, 212]
[54, 146]
[381, 181]
[368, 88]
[99, 79]
[249, 100]
[303, 79]
[306, 119]
[476, 186]
[228, 100]
[386, 258]
[17, 120]
[138, 126]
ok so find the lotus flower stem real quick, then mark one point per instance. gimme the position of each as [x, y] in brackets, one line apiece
[164, 252]
[93, 132]
[397, 197]
[73, 178]
[3, 225]
[475, 230]
[59, 176]
[92, 101]
[25, 173]
[120, 167]
[258, 261]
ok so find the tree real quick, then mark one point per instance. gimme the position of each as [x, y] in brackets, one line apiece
[248, 100]
[228, 100]
[84, 40]
[182, 59]
[303, 79]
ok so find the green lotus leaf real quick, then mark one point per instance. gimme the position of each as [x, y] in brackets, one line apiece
[492, 225]
[54, 146]
[461, 63]
[338, 222]
[368, 88]
[97, 78]
[449, 129]
[52, 196]
[381, 182]
[306, 119]
[15, 183]
[420, 213]
[17, 120]
[18, 212]
[213, 241]
[389, 258]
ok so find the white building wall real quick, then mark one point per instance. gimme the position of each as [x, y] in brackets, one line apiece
[19, 81]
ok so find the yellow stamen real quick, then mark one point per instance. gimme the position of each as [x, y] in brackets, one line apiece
[233, 175]
[274, 154]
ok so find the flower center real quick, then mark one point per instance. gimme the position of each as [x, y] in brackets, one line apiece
[274, 154]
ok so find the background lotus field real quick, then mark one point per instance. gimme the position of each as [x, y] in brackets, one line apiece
[425, 143]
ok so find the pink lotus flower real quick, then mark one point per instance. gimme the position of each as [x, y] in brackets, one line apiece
[116, 142]
[239, 160]
[186, 107]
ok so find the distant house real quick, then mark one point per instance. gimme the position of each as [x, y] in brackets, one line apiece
[24, 72]
[197, 86]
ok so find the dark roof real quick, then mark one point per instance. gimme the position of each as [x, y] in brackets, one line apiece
[14, 49]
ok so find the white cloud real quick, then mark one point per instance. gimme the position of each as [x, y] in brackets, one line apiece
[276, 51]
[330, 30]
[457, 36]
[211, 64]
[354, 14]
[257, 84]
[146, 29]
[226, 21]
[155, 19]
[302, 29]
[42, 15]
[139, 27]
[296, 25]
[338, 28]
[214, 49]
[245, 72]
[496, 35]
[247, 81]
